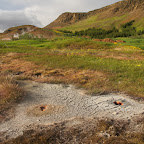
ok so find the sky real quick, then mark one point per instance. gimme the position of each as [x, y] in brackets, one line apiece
[42, 12]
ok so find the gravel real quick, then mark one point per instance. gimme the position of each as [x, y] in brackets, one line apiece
[66, 102]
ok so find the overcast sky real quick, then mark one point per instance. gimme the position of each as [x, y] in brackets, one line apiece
[42, 12]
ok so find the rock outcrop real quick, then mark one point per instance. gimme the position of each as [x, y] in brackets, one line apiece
[67, 19]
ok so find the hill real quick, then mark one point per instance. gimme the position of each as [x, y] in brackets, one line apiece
[106, 17]
[17, 31]
[67, 19]
[45, 33]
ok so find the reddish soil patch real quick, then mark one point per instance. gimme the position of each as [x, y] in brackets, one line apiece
[109, 40]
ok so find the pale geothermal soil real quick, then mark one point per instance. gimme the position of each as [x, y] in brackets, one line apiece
[63, 103]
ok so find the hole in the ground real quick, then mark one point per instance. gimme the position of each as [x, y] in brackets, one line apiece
[118, 103]
[43, 108]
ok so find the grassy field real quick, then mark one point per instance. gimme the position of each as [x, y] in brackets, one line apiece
[96, 66]
[137, 42]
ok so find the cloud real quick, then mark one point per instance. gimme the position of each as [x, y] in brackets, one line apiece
[1, 31]
[47, 11]
[42, 12]
[16, 18]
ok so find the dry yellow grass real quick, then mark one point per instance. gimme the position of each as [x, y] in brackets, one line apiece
[10, 92]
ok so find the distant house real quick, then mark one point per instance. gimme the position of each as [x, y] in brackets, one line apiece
[16, 36]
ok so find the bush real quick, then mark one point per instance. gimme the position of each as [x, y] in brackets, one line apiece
[31, 37]
[9, 90]
[127, 30]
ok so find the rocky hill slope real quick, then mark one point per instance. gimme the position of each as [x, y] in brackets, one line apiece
[66, 19]
[106, 17]
[17, 31]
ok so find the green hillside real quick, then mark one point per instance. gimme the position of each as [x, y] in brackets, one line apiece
[110, 16]
[94, 22]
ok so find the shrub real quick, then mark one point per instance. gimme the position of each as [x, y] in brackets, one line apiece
[127, 30]
[9, 90]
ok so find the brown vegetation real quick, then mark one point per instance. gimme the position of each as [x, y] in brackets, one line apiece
[109, 40]
[43, 33]
[96, 82]
[84, 78]
[86, 131]
[9, 94]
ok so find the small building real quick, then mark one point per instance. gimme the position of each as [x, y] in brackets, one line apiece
[16, 36]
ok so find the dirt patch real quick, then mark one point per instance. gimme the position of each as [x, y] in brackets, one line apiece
[13, 54]
[109, 40]
[68, 103]
[40, 110]
[6, 113]
[80, 130]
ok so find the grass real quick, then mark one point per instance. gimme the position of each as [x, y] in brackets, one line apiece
[125, 74]
[140, 24]
[98, 67]
[137, 42]
[96, 21]
[37, 47]
[122, 69]
[105, 22]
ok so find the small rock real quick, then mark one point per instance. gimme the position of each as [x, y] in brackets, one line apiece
[114, 113]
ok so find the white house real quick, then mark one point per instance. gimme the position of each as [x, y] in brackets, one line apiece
[16, 36]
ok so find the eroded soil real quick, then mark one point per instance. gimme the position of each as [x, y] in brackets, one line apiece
[64, 102]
